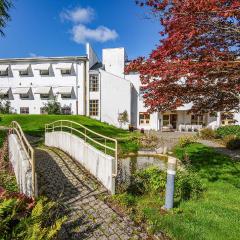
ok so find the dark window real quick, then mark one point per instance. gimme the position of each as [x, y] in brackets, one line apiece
[66, 96]
[66, 110]
[66, 71]
[24, 96]
[24, 110]
[44, 72]
[44, 96]
[4, 73]
[93, 107]
[23, 72]
[94, 83]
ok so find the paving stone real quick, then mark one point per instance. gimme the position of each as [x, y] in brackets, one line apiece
[63, 180]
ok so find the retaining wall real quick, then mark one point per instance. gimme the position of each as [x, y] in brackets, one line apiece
[21, 165]
[97, 163]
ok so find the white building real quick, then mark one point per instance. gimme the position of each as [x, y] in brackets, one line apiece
[86, 86]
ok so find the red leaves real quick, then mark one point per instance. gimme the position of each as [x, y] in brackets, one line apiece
[200, 47]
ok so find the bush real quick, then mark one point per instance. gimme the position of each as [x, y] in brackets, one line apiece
[152, 180]
[149, 180]
[23, 218]
[148, 141]
[232, 142]
[207, 133]
[228, 130]
[186, 140]
[188, 185]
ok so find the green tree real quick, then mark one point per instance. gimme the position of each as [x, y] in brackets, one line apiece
[5, 6]
[52, 107]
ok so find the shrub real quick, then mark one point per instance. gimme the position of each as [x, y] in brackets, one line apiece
[188, 185]
[207, 133]
[186, 140]
[52, 107]
[232, 142]
[228, 130]
[151, 179]
[23, 218]
[148, 141]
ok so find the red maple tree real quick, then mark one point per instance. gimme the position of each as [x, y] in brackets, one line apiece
[198, 58]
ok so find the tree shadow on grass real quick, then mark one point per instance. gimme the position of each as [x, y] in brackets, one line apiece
[211, 165]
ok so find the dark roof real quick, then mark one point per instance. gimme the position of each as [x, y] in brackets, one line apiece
[96, 66]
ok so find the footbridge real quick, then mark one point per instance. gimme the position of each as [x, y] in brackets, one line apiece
[76, 167]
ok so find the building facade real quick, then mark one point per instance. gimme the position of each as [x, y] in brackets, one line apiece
[84, 85]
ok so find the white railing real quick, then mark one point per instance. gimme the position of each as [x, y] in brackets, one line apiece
[15, 128]
[87, 135]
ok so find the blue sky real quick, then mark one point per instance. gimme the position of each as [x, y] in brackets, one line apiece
[61, 27]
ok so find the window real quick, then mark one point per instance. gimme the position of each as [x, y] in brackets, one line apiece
[24, 110]
[4, 73]
[66, 71]
[66, 110]
[44, 96]
[24, 96]
[66, 96]
[43, 110]
[93, 107]
[94, 83]
[228, 118]
[44, 72]
[197, 119]
[23, 72]
[142, 91]
[144, 118]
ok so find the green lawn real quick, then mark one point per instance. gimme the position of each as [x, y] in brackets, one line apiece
[214, 216]
[34, 125]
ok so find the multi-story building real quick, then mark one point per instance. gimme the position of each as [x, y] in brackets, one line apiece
[84, 85]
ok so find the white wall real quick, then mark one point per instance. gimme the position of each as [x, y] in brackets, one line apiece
[96, 162]
[92, 56]
[21, 165]
[54, 80]
[115, 98]
[114, 60]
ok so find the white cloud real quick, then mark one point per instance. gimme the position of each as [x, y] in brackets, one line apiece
[78, 15]
[81, 34]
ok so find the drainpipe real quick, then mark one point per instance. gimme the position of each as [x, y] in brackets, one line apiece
[77, 89]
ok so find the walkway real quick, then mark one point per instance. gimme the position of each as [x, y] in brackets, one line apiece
[234, 154]
[61, 179]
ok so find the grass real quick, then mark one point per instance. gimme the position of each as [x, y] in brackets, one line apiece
[7, 178]
[34, 125]
[214, 216]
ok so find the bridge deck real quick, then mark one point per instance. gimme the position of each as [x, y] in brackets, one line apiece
[61, 179]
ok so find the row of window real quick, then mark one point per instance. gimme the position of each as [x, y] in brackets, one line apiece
[28, 96]
[65, 110]
[27, 72]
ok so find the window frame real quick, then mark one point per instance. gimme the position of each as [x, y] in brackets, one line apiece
[94, 107]
[4, 73]
[47, 72]
[66, 72]
[24, 112]
[24, 96]
[23, 73]
[66, 96]
[146, 118]
[94, 83]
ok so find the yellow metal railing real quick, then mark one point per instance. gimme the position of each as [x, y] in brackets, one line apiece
[15, 128]
[86, 134]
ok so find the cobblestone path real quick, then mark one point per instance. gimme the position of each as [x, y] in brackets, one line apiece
[61, 179]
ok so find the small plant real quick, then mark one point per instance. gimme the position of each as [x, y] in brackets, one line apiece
[228, 130]
[207, 133]
[186, 140]
[232, 142]
[123, 118]
[188, 185]
[5, 106]
[52, 107]
[148, 141]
